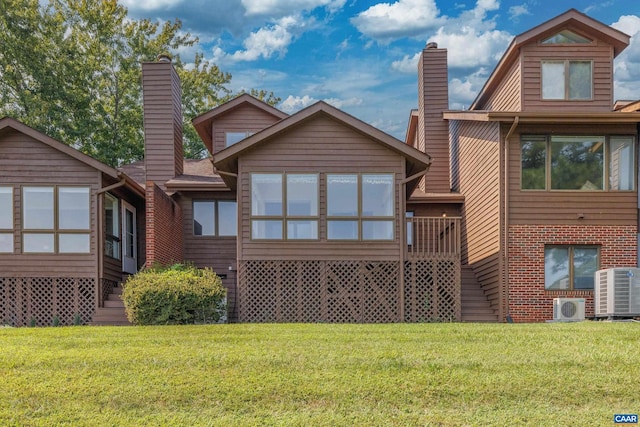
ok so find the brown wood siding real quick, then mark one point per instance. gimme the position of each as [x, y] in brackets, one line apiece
[478, 166]
[25, 161]
[319, 145]
[600, 53]
[507, 97]
[162, 122]
[217, 253]
[245, 118]
[563, 207]
[433, 130]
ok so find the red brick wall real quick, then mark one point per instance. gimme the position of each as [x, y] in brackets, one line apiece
[164, 228]
[528, 301]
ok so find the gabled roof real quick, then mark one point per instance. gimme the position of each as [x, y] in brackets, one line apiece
[202, 123]
[7, 123]
[570, 19]
[226, 161]
[10, 123]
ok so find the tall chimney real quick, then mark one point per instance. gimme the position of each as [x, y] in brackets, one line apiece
[162, 100]
[433, 131]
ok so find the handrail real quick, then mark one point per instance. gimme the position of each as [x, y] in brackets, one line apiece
[433, 236]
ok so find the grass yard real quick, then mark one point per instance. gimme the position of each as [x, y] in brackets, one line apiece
[576, 374]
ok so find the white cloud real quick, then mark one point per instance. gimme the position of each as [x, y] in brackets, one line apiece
[627, 64]
[264, 43]
[462, 91]
[342, 103]
[150, 4]
[407, 65]
[517, 11]
[296, 103]
[385, 22]
[285, 7]
[468, 48]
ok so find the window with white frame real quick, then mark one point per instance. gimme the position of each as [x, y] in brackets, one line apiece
[570, 267]
[6, 220]
[112, 226]
[578, 163]
[360, 207]
[284, 206]
[567, 80]
[55, 219]
[215, 218]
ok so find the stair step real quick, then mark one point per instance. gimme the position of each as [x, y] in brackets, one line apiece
[114, 304]
[479, 318]
[116, 291]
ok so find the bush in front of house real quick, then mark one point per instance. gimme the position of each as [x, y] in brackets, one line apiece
[175, 295]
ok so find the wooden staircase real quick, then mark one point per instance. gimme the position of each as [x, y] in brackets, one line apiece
[475, 306]
[112, 314]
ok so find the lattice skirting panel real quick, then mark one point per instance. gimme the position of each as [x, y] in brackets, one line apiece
[342, 291]
[432, 290]
[38, 301]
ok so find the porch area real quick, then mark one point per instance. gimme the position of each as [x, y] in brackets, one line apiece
[422, 286]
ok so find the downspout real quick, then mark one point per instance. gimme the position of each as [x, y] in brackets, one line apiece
[505, 252]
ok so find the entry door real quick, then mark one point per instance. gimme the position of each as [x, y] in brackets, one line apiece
[129, 239]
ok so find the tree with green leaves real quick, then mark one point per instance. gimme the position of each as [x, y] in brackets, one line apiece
[71, 69]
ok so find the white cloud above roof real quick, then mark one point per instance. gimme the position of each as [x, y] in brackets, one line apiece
[385, 22]
[285, 7]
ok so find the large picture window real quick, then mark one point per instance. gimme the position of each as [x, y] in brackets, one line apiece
[360, 207]
[567, 80]
[6, 220]
[284, 206]
[215, 218]
[570, 267]
[577, 163]
[55, 219]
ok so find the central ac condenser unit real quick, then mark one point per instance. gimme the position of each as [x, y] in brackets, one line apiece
[617, 292]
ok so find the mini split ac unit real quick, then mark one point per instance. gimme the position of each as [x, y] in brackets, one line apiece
[568, 309]
[617, 292]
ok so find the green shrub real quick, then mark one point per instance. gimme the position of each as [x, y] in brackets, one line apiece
[179, 294]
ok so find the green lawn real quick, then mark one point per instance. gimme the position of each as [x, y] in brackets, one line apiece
[576, 374]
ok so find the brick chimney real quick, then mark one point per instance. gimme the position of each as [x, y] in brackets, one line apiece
[162, 102]
[433, 131]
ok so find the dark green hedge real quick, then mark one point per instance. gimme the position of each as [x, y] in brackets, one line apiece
[180, 294]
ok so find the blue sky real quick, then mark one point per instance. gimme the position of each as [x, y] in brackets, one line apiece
[360, 56]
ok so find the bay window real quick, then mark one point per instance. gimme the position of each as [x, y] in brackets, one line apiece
[578, 163]
[56, 219]
[215, 218]
[6, 220]
[360, 207]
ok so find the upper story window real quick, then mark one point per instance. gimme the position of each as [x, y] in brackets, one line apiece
[360, 207]
[55, 219]
[112, 227]
[215, 218]
[231, 138]
[578, 163]
[566, 37]
[567, 80]
[6, 220]
[284, 205]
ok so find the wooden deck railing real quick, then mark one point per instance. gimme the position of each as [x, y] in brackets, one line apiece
[433, 236]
